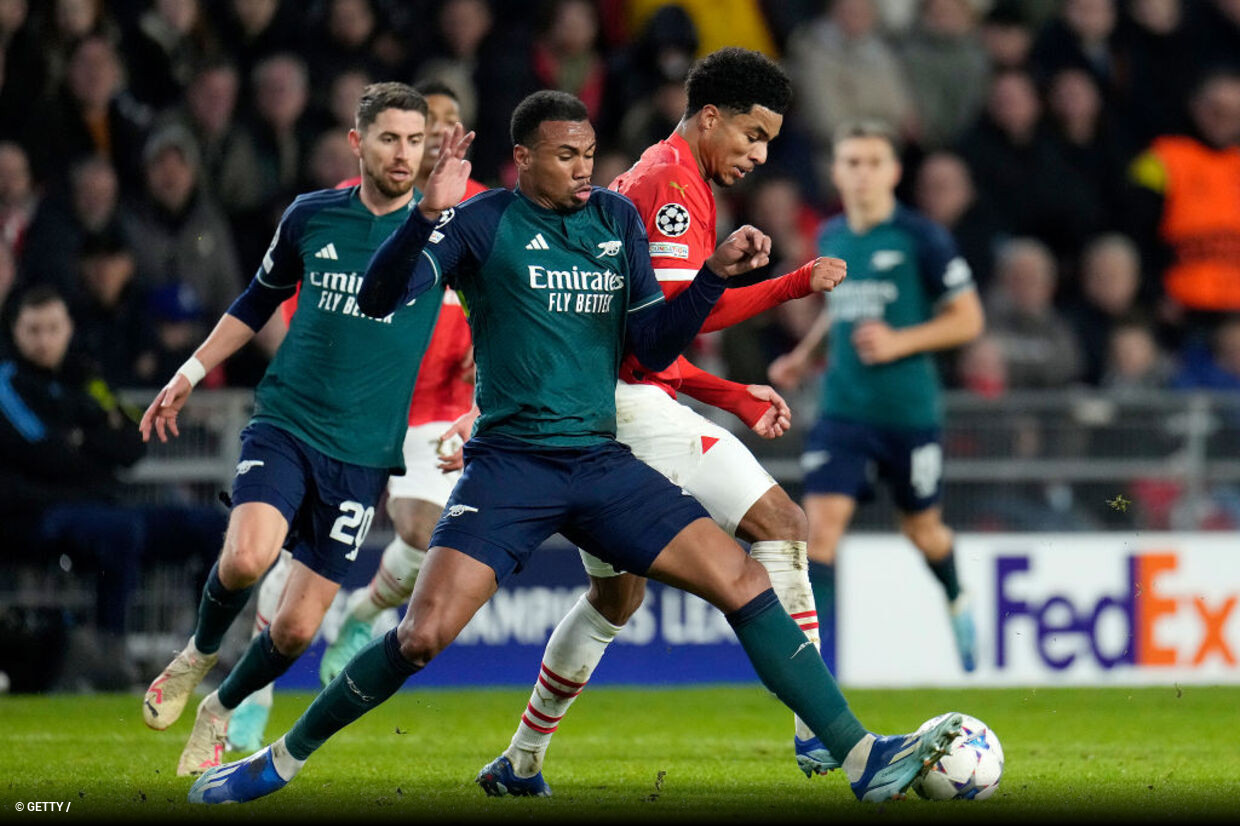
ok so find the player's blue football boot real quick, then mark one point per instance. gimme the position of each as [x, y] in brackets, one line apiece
[895, 762]
[813, 757]
[961, 613]
[238, 782]
[498, 779]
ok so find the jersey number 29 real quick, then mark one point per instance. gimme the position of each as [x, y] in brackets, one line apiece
[352, 526]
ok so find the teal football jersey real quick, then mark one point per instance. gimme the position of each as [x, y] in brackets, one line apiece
[341, 381]
[898, 272]
[547, 294]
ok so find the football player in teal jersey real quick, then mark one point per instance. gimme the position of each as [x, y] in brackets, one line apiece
[557, 279]
[908, 295]
[330, 417]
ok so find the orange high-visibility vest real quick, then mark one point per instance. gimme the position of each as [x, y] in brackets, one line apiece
[1200, 220]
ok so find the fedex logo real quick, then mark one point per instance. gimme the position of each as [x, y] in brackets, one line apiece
[1144, 609]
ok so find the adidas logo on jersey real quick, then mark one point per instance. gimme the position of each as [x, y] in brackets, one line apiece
[537, 243]
[328, 251]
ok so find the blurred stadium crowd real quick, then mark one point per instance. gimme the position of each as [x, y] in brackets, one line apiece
[1082, 152]
[1085, 154]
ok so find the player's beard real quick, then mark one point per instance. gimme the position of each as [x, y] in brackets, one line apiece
[389, 189]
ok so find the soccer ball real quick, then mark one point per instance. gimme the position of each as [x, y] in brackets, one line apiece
[971, 768]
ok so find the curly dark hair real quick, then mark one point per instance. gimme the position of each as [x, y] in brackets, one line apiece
[543, 106]
[738, 79]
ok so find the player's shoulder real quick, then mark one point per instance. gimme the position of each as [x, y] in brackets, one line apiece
[613, 202]
[922, 229]
[482, 206]
[660, 167]
[309, 204]
[320, 199]
[833, 226]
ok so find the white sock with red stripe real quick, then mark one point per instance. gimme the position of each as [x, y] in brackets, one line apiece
[392, 584]
[270, 591]
[575, 648]
[787, 564]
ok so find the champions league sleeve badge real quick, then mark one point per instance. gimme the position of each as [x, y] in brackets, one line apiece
[672, 220]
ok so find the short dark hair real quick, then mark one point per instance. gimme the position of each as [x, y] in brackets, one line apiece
[434, 86]
[867, 129]
[40, 295]
[377, 97]
[738, 79]
[544, 106]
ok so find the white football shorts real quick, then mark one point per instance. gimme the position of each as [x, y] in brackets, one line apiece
[702, 457]
[423, 479]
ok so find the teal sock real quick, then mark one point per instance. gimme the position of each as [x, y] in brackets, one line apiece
[216, 611]
[260, 665]
[790, 667]
[374, 674]
[945, 572]
[822, 582]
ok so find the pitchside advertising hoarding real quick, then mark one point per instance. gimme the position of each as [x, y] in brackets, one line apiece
[1051, 609]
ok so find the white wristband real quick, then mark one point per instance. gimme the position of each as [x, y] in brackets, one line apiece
[193, 370]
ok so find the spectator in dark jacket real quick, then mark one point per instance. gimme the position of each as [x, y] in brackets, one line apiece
[91, 115]
[87, 204]
[64, 436]
[110, 314]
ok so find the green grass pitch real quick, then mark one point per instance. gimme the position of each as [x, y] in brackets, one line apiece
[635, 755]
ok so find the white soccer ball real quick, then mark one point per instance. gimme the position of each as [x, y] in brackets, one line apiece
[971, 768]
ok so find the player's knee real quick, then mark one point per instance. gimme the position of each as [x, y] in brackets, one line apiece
[750, 579]
[775, 516]
[291, 638]
[617, 602]
[417, 534]
[243, 562]
[420, 642]
[931, 537]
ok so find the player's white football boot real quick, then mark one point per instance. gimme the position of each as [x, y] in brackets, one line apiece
[207, 740]
[167, 695]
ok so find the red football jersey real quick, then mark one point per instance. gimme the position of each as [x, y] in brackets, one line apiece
[440, 394]
[678, 207]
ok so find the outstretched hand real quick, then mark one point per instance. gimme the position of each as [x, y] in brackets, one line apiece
[162, 414]
[744, 250]
[445, 187]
